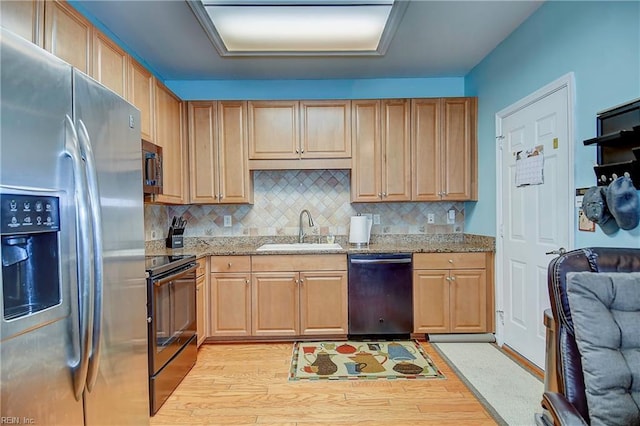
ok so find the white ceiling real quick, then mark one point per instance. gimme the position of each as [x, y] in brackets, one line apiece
[434, 39]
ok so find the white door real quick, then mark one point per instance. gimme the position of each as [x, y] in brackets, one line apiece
[535, 219]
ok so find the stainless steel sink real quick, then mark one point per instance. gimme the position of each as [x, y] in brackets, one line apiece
[299, 247]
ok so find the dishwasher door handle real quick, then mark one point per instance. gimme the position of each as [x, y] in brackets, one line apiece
[374, 261]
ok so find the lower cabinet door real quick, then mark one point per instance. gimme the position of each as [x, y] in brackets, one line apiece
[468, 293]
[201, 310]
[431, 301]
[323, 303]
[230, 307]
[275, 304]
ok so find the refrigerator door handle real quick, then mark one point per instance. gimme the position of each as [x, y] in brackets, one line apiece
[83, 253]
[98, 267]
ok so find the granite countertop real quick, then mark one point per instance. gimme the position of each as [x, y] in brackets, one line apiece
[219, 246]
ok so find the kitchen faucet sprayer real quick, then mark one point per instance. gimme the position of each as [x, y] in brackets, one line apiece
[301, 233]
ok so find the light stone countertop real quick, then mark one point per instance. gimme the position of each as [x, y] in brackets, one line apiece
[409, 243]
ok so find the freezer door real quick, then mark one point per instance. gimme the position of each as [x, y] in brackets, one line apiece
[117, 385]
[39, 351]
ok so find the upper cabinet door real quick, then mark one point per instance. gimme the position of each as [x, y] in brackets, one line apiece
[141, 87]
[326, 129]
[273, 130]
[425, 149]
[170, 136]
[396, 148]
[366, 177]
[23, 18]
[459, 155]
[110, 64]
[67, 34]
[203, 156]
[444, 149]
[233, 159]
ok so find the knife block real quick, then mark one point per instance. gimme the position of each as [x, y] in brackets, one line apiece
[175, 241]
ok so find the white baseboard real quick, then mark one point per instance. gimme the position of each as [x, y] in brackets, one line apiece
[464, 338]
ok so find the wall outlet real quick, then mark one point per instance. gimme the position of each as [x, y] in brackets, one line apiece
[376, 219]
[431, 218]
[451, 217]
[227, 220]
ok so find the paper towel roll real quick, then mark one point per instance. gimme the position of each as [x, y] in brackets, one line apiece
[359, 230]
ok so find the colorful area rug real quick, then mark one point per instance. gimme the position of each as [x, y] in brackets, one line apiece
[358, 360]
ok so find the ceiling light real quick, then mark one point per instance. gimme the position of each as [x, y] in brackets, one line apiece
[299, 27]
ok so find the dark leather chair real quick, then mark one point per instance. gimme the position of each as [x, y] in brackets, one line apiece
[568, 405]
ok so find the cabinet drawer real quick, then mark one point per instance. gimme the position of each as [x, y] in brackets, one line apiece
[230, 264]
[299, 262]
[449, 261]
[202, 266]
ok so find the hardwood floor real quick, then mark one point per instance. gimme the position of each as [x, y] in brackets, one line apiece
[248, 384]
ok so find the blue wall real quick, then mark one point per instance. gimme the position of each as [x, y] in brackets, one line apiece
[317, 89]
[600, 43]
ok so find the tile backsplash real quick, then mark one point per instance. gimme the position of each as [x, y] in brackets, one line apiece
[279, 196]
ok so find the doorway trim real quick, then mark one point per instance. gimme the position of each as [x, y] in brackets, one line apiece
[568, 81]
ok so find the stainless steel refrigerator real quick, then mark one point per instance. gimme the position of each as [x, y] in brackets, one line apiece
[73, 341]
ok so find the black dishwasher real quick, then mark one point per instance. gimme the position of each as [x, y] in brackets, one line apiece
[380, 295]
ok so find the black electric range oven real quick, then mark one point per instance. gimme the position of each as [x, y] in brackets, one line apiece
[171, 306]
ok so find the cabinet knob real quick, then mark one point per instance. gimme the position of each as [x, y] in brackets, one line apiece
[450, 260]
[384, 194]
[246, 281]
[297, 151]
[453, 278]
[229, 264]
[448, 278]
[302, 151]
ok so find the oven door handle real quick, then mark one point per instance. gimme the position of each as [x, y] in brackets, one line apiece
[174, 276]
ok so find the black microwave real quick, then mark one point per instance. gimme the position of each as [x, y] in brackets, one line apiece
[151, 168]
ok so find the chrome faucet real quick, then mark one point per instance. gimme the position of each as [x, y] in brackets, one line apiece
[301, 233]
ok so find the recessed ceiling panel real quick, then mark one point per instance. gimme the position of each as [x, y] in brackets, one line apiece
[299, 28]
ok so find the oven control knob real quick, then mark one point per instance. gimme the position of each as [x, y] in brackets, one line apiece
[149, 320]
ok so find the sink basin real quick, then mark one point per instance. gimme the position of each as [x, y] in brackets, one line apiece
[299, 247]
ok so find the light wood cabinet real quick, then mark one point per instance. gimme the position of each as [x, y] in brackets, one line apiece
[202, 300]
[218, 161]
[274, 130]
[382, 153]
[300, 303]
[299, 134]
[451, 293]
[170, 136]
[323, 303]
[275, 304]
[110, 64]
[325, 129]
[141, 88]
[230, 296]
[23, 17]
[444, 149]
[67, 34]
[299, 295]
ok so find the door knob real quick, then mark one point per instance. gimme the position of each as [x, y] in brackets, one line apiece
[559, 252]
